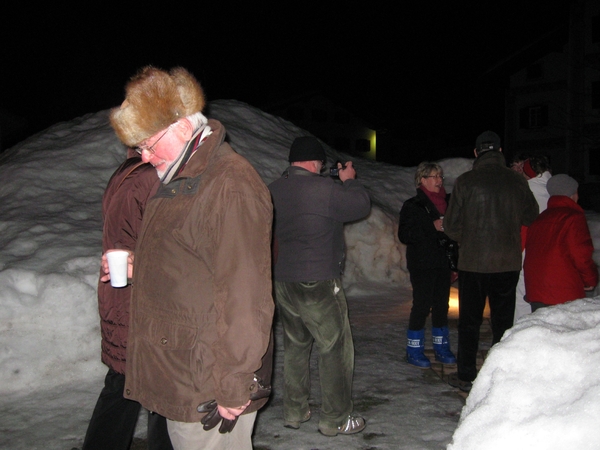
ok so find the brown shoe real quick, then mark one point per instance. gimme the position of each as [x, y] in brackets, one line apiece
[352, 425]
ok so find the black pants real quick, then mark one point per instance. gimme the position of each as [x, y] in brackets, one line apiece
[473, 288]
[431, 289]
[114, 418]
[537, 305]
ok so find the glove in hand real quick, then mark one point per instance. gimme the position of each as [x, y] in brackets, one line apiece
[212, 417]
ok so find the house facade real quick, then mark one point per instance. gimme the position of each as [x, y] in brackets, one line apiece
[553, 99]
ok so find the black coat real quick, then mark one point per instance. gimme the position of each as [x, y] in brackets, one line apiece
[417, 231]
[488, 207]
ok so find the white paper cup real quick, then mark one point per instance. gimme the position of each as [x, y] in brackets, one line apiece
[117, 266]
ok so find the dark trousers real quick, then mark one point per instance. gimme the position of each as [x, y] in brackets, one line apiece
[537, 305]
[473, 288]
[114, 419]
[431, 289]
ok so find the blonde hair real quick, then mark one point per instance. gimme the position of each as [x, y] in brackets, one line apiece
[425, 169]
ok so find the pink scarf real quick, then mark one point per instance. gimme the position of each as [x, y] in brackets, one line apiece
[437, 198]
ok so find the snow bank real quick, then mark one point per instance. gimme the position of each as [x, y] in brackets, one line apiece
[50, 240]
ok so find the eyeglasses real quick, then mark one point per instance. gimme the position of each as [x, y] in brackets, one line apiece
[140, 148]
[441, 177]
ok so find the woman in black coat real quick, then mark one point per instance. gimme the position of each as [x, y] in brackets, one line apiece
[421, 229]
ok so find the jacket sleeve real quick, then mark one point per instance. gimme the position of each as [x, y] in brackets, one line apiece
[242, 277]
[349, 201]
[414, 226]
[581, 248]
[453, 216]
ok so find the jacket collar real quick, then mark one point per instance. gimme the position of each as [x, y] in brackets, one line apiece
[562, 201]
[199, 160]
[489, 158]
[297, 170]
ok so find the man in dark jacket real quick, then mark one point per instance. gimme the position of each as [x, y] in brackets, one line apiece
[310, 212]
[488, 206]
[114, 418]
[201, 305]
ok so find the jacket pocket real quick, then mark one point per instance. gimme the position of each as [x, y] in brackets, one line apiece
[169, 358]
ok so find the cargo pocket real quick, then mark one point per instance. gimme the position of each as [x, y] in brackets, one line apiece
[168, 355]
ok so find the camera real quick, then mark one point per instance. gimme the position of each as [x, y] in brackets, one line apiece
[335, 171]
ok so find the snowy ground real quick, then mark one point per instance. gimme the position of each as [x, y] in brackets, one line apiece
[50, 233]
[405, 407]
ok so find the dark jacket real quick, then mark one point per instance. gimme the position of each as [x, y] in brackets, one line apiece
[123, 206]
[201, 307]
[310, 212]
[487, 208]
[558, 255]
[417, 231]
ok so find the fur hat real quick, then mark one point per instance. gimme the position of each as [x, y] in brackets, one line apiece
[155, 99]
[562, 184]
[306, 148]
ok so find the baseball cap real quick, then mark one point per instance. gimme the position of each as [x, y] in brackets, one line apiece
[488, 140]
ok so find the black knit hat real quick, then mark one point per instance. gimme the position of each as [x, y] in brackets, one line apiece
[488, 140]
[307, 148]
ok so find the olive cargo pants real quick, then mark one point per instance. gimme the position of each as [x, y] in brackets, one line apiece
[316, 311]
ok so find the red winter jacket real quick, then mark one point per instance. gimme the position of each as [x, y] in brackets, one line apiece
[558, 254]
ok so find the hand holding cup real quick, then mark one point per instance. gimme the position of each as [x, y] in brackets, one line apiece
[117, 264]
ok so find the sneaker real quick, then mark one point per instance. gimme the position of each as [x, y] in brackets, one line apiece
[295, 424]
[456, 382]
[352, 425]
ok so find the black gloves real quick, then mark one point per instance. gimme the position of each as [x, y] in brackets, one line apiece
[212, 418]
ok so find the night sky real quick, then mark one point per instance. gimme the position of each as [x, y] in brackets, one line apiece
[416, 69]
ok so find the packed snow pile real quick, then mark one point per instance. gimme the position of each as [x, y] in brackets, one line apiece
[539, 381]
[540, 386]
[50, 240]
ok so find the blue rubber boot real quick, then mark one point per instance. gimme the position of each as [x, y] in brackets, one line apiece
[414, 349]
[441, 346]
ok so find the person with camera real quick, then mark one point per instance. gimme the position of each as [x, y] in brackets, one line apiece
[429, 258]
[310, 212]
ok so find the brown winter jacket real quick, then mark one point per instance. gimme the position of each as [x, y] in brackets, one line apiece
[201, 307]
[487, 207]
[123, 206]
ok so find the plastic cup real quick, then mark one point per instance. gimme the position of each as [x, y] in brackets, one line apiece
[117, 266]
